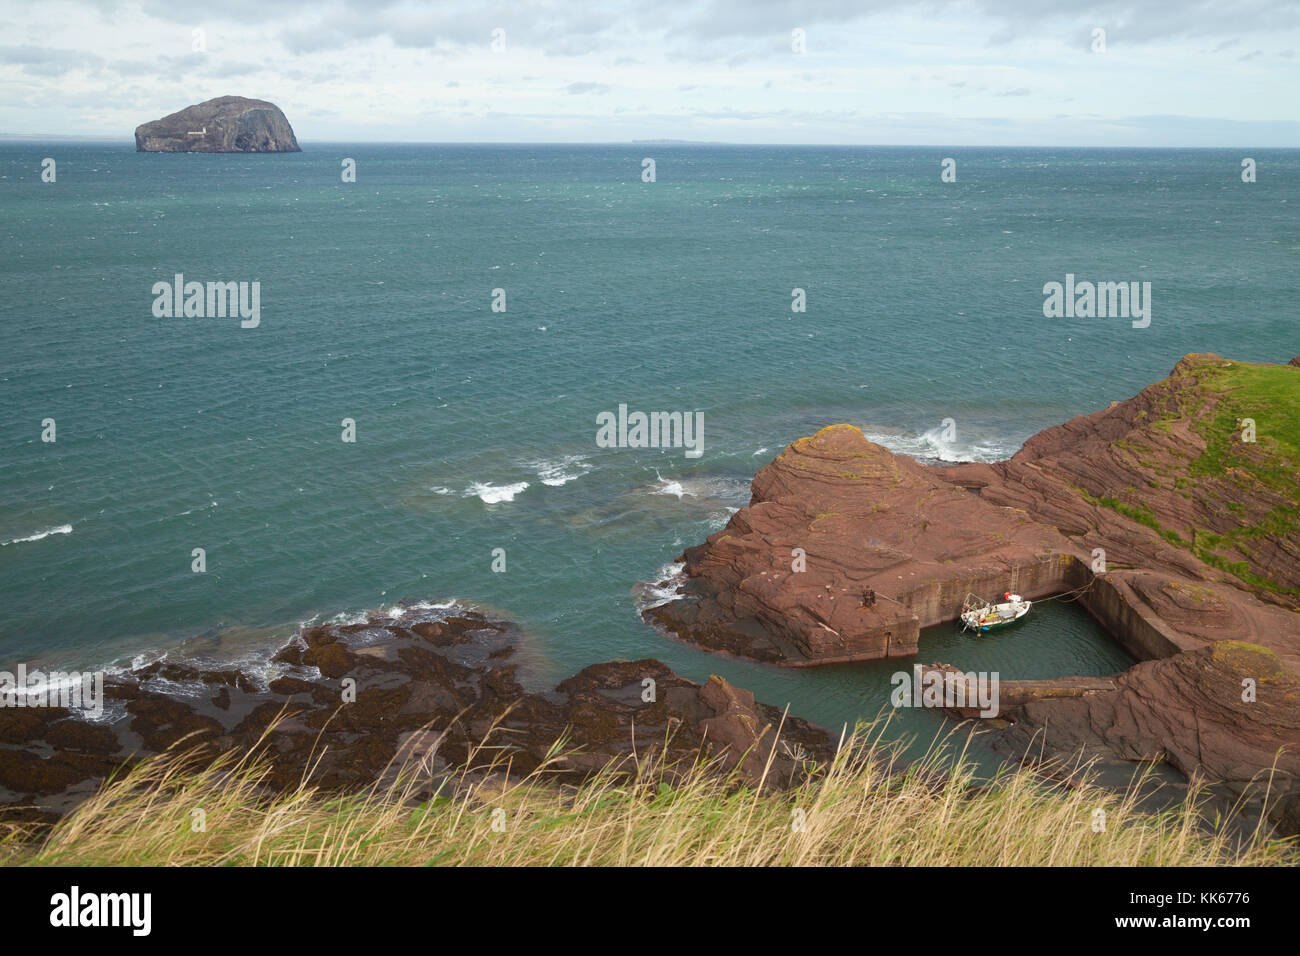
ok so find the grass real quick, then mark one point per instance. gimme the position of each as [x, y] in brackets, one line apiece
[1270, 396]
[863, 808]
[1139, 513]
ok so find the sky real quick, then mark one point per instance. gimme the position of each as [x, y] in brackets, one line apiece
[960, 73]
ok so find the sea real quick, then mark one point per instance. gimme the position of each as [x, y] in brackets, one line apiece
[199, 499]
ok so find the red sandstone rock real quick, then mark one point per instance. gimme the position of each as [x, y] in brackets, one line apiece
[867, 521]
[1228, 712]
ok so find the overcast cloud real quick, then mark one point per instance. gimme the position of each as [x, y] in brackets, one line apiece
[943, 73]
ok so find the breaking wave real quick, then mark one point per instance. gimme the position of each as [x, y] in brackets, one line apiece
[560, 471]
[663, 590]
[61, 529]
[730, 491]
[491, 494]
[932, 445]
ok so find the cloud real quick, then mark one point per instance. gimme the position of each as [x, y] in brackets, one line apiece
[46, 61]
[383, 68]
[171, 67]
[234, 69]
[569, 27]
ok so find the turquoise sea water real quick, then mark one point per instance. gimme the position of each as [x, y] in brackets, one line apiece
[924, 303]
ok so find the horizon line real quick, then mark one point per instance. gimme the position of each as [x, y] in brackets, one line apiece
[129, 141]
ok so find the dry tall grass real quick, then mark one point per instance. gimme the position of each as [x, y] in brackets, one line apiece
[864, 808]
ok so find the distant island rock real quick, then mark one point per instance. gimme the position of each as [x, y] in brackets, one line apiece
[227, 124]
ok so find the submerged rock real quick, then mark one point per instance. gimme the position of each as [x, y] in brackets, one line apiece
[227, 124]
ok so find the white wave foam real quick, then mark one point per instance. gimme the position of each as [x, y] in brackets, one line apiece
[491, 494]
[931, 444]
[393, 613]
[562, 471]
[61, 529]
[709, 488]
[349, 617]
[718, 519]
[663, 590]
[441, 490]
[399, 611]
[256, 662]
[671, 488]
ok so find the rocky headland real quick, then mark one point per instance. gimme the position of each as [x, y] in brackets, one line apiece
[1174, 516]
[227, 124]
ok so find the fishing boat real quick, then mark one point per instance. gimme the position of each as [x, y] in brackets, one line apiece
[979, 615]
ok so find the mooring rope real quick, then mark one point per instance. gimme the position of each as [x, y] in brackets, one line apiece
[1068, 595]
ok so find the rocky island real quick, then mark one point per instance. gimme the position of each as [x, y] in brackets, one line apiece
[1174, 516]
[227, 124]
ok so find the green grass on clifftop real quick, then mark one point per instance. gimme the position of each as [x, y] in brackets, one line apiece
[1231, 472]
[1268, 394]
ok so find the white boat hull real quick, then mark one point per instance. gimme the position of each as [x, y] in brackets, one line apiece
[991, 617]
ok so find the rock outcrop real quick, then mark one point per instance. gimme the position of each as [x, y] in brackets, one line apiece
[227, 124]
[1171, 479]
[437, 692]
[1228, 713]
[1227, 710]
[846, 551]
